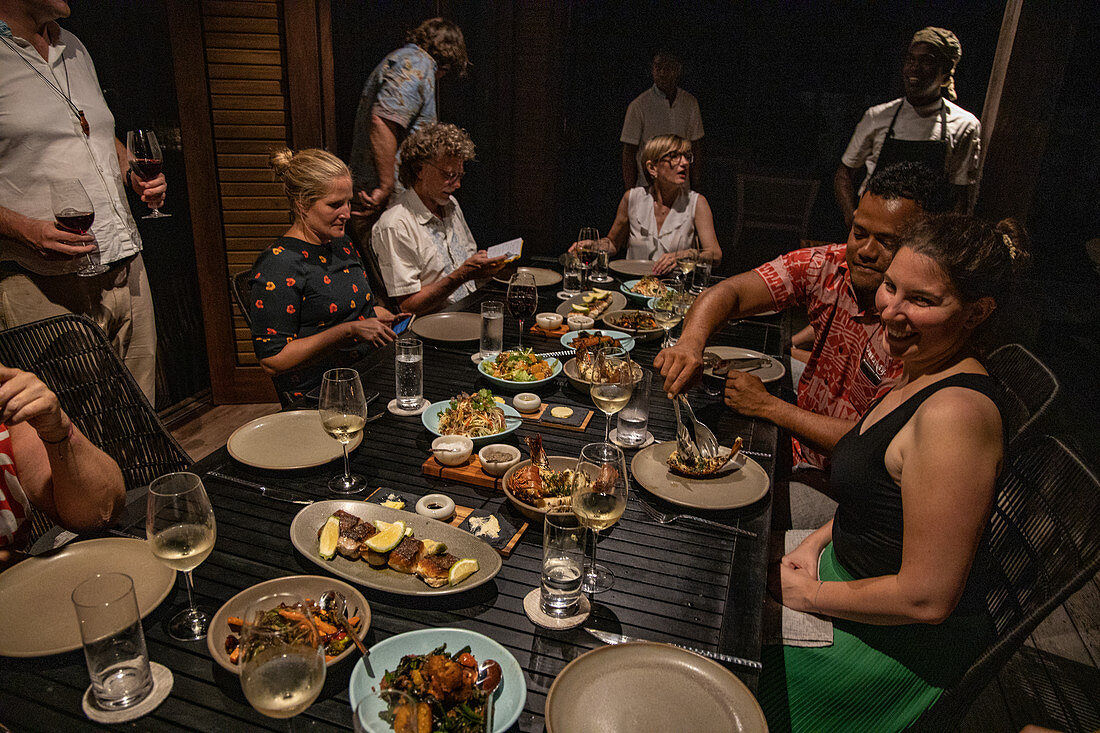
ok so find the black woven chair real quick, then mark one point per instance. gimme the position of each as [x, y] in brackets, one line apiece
[240, 285]
[1045, 542]
[73, 357]
[1029, 387]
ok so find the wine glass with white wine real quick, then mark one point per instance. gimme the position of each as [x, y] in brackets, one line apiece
[282, 656]
[612, 382]
[343, 409]
[179, 523]
[599, 499]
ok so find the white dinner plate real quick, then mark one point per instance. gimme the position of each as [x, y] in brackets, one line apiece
[728, 489]
[285, 441]
[543, 277]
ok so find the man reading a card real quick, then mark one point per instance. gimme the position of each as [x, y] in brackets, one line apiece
[425, 250]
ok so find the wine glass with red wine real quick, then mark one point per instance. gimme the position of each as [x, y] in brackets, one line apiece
[522, 299]
[73, 211]
[145, 160]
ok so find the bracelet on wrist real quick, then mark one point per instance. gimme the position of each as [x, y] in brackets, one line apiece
[67, 438]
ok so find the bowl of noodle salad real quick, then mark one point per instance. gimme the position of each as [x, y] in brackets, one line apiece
[479, 417]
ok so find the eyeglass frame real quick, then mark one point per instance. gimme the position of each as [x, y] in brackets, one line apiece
[448, 176]
[673, 158]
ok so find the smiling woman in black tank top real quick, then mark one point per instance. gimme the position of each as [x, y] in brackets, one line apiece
[902, 568]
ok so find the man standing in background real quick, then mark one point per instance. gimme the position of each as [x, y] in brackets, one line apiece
[54, 123]
[663, 109]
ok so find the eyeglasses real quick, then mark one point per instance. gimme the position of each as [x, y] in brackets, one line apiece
[448, 176]
[674, 158]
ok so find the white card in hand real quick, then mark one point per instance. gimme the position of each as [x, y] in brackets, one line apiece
[510, 250]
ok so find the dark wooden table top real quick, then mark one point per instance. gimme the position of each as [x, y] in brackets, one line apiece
[680, 583]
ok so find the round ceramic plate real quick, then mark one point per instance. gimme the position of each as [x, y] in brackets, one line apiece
[572, 373]
[632, 268]
[543, 277]
[448, 327]
[649, 686]
[728, 489]
[625, 339]
[618, 302]
[285, 441]
[626, 288]
[303, 535]
[769, 373]
[511, 695]
[304, 586]
[36, 595]
[555, 370]
[644, 334]
[430, 419]
[557, 463]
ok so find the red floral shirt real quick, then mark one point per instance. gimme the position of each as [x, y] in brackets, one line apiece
[14, 505]
[848, 364]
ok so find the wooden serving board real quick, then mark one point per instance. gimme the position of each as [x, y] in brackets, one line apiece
[468, 473]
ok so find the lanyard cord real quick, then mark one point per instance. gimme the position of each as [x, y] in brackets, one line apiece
[84, 127]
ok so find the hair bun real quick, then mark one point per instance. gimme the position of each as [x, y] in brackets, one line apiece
[279, 160]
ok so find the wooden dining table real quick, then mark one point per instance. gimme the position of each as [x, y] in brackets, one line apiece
[682, 582]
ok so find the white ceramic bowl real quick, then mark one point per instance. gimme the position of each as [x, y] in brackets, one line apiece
[527, 402]
[453, 458]
[494, 468]
[549, 321]
[579, 322]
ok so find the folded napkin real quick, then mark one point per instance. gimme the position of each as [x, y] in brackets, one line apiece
[782, 625]
[550, 332]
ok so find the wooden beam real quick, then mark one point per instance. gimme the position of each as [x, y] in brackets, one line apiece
[303, 77]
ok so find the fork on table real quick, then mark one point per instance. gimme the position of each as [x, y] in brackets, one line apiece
[667, 517]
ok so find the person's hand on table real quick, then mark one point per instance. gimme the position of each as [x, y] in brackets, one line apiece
[25, 398]
[372, 330]
[666, 263]
[373, 202]
[746, 394]
[152, 192]
[681, 366]
[53, 243]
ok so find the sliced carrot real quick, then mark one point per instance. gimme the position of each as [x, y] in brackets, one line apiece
[235, 623]
[329, 658]
[235, 655]
[292, 615]
[325, 627]
[353, 621]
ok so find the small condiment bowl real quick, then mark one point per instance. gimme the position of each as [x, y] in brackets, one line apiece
[527, 402]
[498, 468]
[549, 321]
[579, 322]
[464, 445]
[436, 506]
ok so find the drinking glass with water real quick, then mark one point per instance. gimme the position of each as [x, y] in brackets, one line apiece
[562, 564]
[572, 276]
[701, 274]
[633, 420]
[410, 373]
[492, 329]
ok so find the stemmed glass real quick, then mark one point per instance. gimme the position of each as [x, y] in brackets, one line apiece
[522, 298]
[599, 501]
[597, 272]
[666, 315]
[343, 408]
[686, 264]
[146, 160]
[73, 211]
[282, 656]
[587, 252]
[179, 523]
[613, 382]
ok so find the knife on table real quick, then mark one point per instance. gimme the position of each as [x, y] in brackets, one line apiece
[267, 491]
[609, 638]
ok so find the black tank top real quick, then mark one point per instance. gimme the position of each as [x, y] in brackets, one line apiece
[867, 527]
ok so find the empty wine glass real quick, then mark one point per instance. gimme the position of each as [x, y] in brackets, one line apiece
[598, 501]
[282, 656]
[612, 383]
[73, 211]
[146, 160]
[343, 409]
[522, 299]
[179, 523]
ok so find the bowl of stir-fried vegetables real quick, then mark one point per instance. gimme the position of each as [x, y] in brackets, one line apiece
[437, 668]
[519, 368]
[478, 416]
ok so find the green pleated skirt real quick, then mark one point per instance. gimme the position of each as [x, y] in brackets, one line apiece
[872, 678]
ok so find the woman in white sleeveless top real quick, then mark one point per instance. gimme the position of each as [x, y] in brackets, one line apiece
[666, 219]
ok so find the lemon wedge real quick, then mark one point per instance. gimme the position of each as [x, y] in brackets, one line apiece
[329, 535]
[599, 294]
[388, 538]
[461, 570]
[578, 308]
[431, 547]
[588, 298]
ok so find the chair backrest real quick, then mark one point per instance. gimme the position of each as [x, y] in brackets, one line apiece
[1029, 387]
[73, 357]
[1044, 537]
[774, 202]
[240, 285]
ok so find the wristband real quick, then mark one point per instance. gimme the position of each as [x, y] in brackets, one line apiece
[67, 437]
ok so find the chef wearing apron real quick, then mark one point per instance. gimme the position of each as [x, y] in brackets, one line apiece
[924, 126]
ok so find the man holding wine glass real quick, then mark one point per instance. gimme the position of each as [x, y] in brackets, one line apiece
[54, 124]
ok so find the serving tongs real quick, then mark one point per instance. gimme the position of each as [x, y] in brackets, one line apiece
[684, 444]
[704, 438]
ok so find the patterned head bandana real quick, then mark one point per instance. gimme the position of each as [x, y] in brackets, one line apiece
[947, 47]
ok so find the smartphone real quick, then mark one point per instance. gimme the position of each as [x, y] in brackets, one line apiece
[401, 324]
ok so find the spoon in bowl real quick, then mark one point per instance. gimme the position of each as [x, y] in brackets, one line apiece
[488, 678]
[334, 602]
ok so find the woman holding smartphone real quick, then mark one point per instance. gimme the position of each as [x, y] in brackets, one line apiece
[311, 306]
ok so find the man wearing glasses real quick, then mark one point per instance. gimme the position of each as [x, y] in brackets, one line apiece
[426, 252]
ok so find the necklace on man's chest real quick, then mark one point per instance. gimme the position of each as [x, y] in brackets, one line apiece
[66, 95]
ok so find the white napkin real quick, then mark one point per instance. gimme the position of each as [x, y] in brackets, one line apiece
[782, 625]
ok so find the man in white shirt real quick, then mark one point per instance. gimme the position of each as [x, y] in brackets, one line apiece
[924, 126]
[55, 124]
[425, 250]
[663, 109]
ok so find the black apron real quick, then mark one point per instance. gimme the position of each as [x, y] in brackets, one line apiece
[932, 153]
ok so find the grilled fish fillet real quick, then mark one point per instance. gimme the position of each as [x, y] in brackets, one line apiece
[352, 542]
[434, 569]
[405, 556]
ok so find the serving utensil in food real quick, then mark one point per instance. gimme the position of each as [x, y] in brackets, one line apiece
[609, 638]
[488, 678]
[667, 517]
[748, 364]
[683, 438]
[704, 438]
[334, 602]
[265, 491]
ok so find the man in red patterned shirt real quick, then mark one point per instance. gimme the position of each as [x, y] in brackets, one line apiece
[848, 366]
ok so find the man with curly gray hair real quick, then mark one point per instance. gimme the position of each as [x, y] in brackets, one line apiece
[425, 250]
